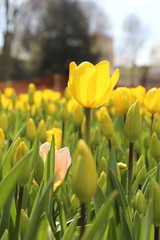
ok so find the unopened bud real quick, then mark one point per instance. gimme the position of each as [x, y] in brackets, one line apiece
[31, 129]
[155, 147]
[102, 165]
[31, 92]
[14, 148]
[74, 202]
[84, 173]
[2, 137]
[156, 124]
[78, 115]
[24, 220]
[139, 166]
[107, 126]
[64, 110]
[102, 179]
[133, 122]
[42, 131]
[21, 151]
[122, 167]
[155, 196]
[139, 202]
[3, 121]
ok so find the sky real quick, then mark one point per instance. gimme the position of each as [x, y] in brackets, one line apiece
[148, 11]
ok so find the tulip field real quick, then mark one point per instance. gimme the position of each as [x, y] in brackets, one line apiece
[84, 164]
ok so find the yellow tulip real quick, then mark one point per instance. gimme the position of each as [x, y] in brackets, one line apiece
[57, 132]
[91, 85]
[121, 99]
[152, 100]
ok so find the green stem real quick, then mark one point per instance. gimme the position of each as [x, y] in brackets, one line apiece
[83, 215]
[88, 116]
[18, 213]
[130, 166]
[109, 144]
[79, 132]
[156, 233]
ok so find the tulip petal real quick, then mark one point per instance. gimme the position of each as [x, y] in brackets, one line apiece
[62, 163]
[115, 77]
[43, 150]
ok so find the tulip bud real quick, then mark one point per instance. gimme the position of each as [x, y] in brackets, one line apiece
[84, 173]
[102, 179]
[107, 126]
[155, 196]
[51, 108]
[155, 147]
[156, 124]
[24, 220]
[2, 138]
[133, 122]
[39, 168]
[141, 164]
[64, 111]
[21, 151]
[101, 111]
[74, 202]
[78, 115]
[42, 131]
[13, 150]
[122, 167]
[95, 136]
[139, 202]
[4, 121]
[102, 165]
[67, 94]
[31, 129]
[31, 92]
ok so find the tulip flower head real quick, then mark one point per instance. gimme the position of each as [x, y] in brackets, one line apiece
[62, 162]
[91, 85]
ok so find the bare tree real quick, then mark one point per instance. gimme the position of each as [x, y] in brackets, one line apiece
[134, 37]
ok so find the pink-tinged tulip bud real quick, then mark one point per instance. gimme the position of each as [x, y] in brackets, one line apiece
[62, 161]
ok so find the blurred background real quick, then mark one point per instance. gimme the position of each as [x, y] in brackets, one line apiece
[38, 40]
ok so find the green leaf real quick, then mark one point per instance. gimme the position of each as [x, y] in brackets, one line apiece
[6, 161]
[71, 229]
[125, 230]
[148, 221]
[98, 199]
[5, 235]
[136, 225]
[158, 173]
[44, 230]
[62, 217]
[8, 183]
[100, 222]
[137, 180]
[38, 210]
